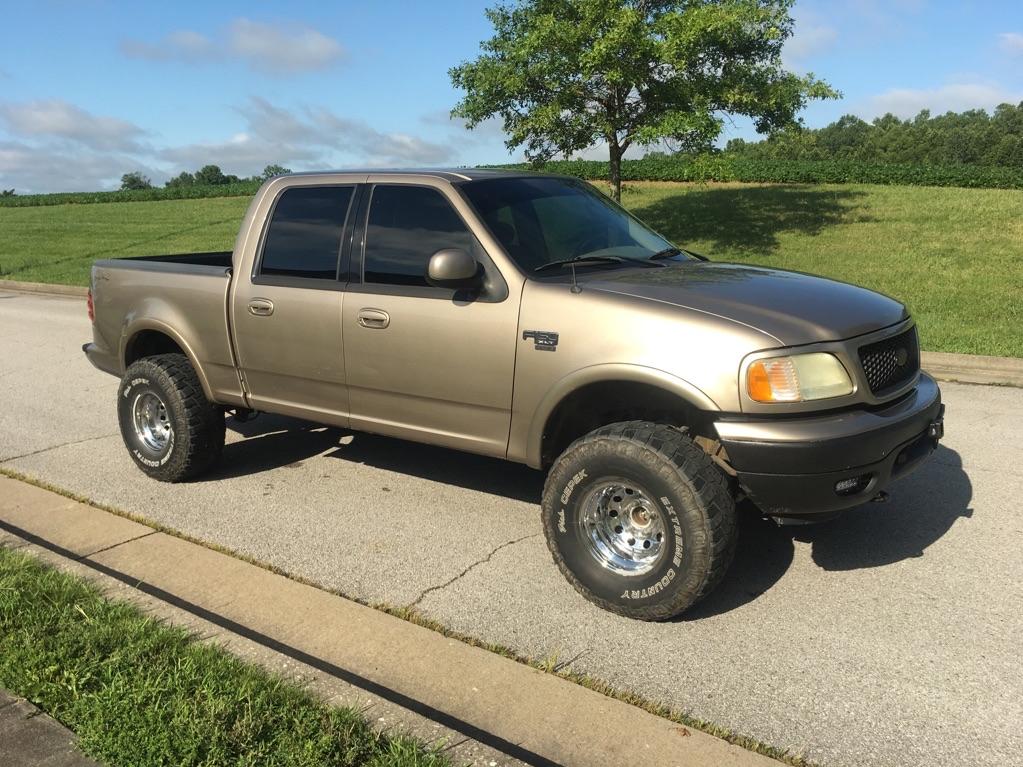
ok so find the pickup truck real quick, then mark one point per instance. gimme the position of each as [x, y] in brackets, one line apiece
[528, 317]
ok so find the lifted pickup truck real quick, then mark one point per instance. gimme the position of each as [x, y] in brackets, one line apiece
[530, 318]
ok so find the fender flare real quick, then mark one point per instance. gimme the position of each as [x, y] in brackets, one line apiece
[132, 330]
[600, 374]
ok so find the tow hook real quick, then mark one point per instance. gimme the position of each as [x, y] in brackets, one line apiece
[881, 497]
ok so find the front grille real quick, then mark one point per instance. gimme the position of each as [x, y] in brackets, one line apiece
[891, 362]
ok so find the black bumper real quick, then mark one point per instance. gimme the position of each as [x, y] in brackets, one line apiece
[796, 465]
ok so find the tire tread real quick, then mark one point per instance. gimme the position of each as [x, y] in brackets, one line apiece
[679, 459]
[202, 442]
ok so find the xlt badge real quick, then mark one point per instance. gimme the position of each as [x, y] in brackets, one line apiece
[543, 340]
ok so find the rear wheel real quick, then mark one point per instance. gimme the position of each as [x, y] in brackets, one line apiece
[171, 430]
[639, 519]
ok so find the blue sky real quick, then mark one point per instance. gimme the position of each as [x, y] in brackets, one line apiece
[92, 89]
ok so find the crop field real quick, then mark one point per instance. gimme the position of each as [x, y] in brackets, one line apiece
[953, 255]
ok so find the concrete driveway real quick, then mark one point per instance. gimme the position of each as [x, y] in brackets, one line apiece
[890, 636]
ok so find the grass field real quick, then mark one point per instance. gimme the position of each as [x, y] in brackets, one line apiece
[139, 692]
[955, 256]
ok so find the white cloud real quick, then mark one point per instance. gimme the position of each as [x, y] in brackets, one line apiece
[955, 97]
[1011, 42]
[242, 154]
[30, 169]
[182, 45]
[280, 49]
[309, 137]
[66, 148]
[279, 125]
[54, 118]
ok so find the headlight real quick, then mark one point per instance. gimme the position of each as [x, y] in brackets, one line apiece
[797, 378]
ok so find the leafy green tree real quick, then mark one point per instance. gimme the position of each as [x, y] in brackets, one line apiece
[965, 138]
[210, 175]
[273, 170]
[565, 75]
[135, 180]
[7, 193]
[182, 179]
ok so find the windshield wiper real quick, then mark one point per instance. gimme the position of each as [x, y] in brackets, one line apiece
[581, 260]
[673, 251]
[666, 253]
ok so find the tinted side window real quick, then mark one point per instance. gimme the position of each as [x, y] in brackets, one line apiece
[304, 236]
[407, 225]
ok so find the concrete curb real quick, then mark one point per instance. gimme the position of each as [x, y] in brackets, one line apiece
[536, 717]
[961, 368]
[973, 368]
[44, 288]
[29, 738]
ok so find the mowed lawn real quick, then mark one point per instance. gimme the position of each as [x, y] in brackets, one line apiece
[955, 256]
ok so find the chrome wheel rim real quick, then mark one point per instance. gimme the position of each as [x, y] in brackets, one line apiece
[152, 422]
[624, 528]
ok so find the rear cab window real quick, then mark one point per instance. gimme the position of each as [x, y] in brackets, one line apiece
[303, 238]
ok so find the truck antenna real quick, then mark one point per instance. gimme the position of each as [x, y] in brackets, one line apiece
[575, 285]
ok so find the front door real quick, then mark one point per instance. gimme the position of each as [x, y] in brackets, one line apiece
[423, 362]
[287, 314]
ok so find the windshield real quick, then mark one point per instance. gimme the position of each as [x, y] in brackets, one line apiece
[545, 220]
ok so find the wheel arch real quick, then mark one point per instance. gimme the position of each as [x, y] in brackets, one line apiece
[654, 389]
[148, 337]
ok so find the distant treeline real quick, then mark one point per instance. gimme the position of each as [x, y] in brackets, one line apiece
[967, 149]
[966, 138]
[237, 189]
[725, 166]
[208, 181]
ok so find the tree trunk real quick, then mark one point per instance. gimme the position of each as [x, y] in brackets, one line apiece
[615, 155]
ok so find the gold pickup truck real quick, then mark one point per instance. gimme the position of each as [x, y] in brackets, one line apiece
[530, 318]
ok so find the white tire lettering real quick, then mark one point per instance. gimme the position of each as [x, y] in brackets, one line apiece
[567, 493]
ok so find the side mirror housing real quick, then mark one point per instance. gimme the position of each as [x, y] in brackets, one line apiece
[453, 268]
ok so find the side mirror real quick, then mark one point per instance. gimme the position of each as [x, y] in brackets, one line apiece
[452, 268]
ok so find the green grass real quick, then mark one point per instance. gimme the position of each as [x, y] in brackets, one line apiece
[955, 256]
[59, 243]
[139, 692]
[547, 664]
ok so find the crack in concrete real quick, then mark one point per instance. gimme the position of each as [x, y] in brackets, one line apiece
[471, 567]
[119, 543]
[56, 447]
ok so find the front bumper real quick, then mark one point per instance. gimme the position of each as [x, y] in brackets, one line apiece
[828, 463]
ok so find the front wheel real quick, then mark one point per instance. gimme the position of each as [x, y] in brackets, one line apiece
[639, 519]
[170, 429]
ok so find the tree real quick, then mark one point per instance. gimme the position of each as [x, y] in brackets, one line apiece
[182, 179]
[955, 138]
[135, 180]
[210, 175]
[565, 75]
[7, 193]
[273, 170]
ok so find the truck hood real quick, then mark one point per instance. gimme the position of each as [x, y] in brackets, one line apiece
[793, 307]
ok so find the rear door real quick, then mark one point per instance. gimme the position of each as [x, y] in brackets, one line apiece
[424, 362]
[287, 313]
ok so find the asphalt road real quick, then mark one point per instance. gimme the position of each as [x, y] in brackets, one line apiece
[890, 636]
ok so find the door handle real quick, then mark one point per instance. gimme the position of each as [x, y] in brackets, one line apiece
[374, 318]
[261, 307]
